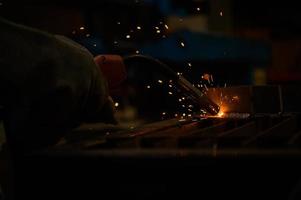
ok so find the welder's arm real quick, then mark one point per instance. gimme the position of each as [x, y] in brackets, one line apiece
[49, 85]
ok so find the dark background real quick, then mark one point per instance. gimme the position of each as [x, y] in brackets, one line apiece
[275, 25]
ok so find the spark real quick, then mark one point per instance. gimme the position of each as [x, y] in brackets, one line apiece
[82, 28]
[170, 93]
[156, 27]
[128, 36]
[137, 52]
[211, 77]
[183, 106]
[170, 86]
[180, 100]
[190, 106]
[183, 98]
[198, 9]
[148, 87]
[221, 13]
[160, 81]
[176, 115]
[116, 104]
[220, 114]
[189, 115]
[199, 85]
[158, 31]
[225, 85]
[138, 27]
[166, 26]
[189, 64]
[178, 73]
[182, 44]
[164, 113]
[206, 87]
[184, 114]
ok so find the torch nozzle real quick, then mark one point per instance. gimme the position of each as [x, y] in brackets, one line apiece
[198, 97]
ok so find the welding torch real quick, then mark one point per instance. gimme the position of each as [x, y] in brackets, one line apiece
[198, 97]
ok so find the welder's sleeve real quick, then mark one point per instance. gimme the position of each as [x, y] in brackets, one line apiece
[49, 85]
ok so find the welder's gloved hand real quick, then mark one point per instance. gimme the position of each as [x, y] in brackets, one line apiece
[49, 85]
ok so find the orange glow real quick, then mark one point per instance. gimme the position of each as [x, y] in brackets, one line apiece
[221, 114]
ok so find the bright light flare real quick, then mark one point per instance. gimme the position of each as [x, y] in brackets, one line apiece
[221, 114]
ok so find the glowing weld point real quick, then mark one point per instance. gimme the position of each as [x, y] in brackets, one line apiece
[160, 81]
[220, 114]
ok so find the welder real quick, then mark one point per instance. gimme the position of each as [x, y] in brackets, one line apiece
[49, 85]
